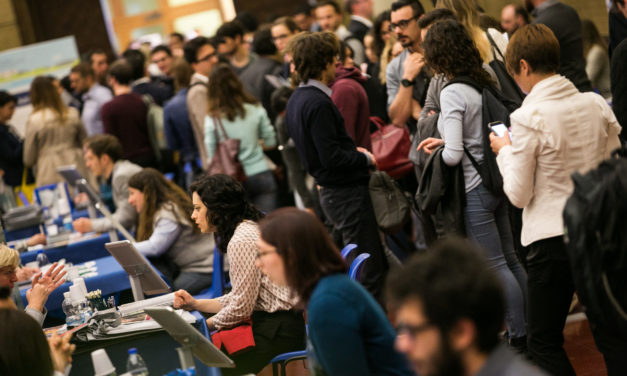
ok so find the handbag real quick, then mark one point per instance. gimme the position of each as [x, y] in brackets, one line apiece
[226, 158]
[390, 146]
[235, 340]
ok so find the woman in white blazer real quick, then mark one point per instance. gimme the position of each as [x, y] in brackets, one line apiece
[557, 131]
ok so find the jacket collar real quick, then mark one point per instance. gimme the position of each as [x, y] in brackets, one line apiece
[555, 87]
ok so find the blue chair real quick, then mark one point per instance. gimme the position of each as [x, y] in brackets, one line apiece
[354, 272]
[279, 362]
[347, 250]
[218, 279]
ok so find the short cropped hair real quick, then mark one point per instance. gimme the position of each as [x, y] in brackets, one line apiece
[161, 48]
[137, 60]
[230, 30]
[332, 3]
[434, 16]
[6, 97]
[537, 45]
[94, 51]
[84, 69]
[262, 42]
[312, 52]
[101, 144]
[122, 71]
[520, 10]
[8, 257]
[288, 22]
[452, 282]
[416, 6]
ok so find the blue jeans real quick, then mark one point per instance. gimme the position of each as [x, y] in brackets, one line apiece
[487, 223]
[262, 191]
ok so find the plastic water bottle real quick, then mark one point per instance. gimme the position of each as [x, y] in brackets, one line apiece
[42, 259]
[135, 365]
[51, 227]
[72, 317]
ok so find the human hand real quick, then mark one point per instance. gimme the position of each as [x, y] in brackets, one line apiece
[497, 143]
[412, 65]
[61, 351]
[430, 144]
[82, 225]
[43, 285]
[369, 154]
[183, 300]
[25, 273]
[36, 239]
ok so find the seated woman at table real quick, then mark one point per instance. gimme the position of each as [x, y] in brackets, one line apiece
[41, 286]
[348, 330]
[220, 205]
[166, 235]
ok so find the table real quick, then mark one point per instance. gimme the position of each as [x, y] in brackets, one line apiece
[27, 232]
[157, 349]
[111, 279]
[87, 248]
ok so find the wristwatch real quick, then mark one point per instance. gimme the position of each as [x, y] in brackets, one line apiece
[406, 83]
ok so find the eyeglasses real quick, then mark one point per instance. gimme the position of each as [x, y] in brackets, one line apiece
[280, 37]
[401, 24]
[261, 254]
[207, 58]
[412, 330]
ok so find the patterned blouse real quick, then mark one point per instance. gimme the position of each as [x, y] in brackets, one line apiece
[252, 290]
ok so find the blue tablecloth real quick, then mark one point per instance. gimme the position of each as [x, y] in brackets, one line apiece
[111, 279]
[76, 252]
[27, 232]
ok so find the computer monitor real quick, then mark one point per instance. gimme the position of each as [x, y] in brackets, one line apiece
[70, 174]
[191, 339]
[144, 278]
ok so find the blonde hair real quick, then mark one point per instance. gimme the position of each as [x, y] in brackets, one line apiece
[385, 59]
[8, 257]
[466, 13]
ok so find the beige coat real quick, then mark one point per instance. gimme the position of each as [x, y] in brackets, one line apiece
[50, 143]
[197, 107]
[557, 131]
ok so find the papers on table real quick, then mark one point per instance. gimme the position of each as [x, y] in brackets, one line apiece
[135, 307]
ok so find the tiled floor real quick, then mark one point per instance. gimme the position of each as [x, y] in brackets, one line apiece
[579, 345]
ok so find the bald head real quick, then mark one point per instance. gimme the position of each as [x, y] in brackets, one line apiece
[513, 17]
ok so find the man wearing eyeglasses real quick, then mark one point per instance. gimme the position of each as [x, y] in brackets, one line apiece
[201, 54]
[449, 312]
[407, 82]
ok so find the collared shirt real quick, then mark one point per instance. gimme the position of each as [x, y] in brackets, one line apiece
[319, 85]
[363, 20]
[199, 77]
[93, 100]
[543, 6]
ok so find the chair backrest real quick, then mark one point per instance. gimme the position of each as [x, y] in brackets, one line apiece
[217, 279]
[358, 264]
[347, 250]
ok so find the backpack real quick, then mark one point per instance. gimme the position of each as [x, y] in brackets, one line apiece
[509, 87]
[154, 121]
[391, 206]
[495, 107]
[596, 240]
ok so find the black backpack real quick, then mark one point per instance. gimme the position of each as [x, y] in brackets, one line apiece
[509, 87]
[495, 107]
[596, 240]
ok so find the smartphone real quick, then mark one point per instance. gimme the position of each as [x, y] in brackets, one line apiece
[499, 128]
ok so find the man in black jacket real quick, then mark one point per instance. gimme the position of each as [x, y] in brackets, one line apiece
[330, 155]
[564, 22]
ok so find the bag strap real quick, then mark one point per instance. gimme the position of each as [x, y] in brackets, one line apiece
[472, 160]
[494, 46]
[218, 123]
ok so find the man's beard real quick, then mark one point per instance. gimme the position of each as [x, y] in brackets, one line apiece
[448, 362]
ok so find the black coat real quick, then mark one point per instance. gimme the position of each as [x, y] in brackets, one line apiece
[619, 86]
[443, 187]
[11, 147]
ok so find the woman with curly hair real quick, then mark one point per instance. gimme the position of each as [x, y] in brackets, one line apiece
[165, 233]
[449, 50]
[238, 114]
[220, 206]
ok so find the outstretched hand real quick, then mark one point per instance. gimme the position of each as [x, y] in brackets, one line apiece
[43, 285]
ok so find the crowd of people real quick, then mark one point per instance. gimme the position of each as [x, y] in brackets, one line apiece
[266, 153]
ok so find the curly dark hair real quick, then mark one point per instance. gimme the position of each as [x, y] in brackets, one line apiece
[157, 191]
[227, 205]
[312, 52]
[450, 50]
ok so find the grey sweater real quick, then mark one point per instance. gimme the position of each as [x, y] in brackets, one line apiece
[460, 126]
